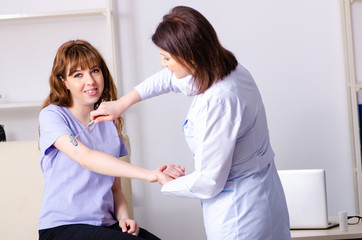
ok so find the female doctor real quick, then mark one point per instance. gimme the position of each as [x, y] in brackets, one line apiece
[226, 129]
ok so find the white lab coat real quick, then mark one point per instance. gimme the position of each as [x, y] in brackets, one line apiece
[234, 176]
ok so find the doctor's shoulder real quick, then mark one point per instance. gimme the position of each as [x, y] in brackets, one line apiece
[218, 98]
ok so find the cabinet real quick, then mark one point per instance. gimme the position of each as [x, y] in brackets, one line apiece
[28, 45]
[352, 29]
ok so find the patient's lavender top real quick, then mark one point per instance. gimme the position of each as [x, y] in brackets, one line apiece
[73, 194]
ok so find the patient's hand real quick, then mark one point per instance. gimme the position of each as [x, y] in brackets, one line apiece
[162, 178]
[129, 226]
[174, 171]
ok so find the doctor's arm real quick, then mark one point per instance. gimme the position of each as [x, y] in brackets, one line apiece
[108, 111]
[213, 155]
[157, 84]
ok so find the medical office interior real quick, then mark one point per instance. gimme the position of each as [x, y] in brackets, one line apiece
[298, 52]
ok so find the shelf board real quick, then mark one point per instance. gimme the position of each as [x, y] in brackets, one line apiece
[19, 105]
[358, 85]
[29, 16]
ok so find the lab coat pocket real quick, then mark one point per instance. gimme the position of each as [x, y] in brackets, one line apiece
[219, 214]
[188, 129]
[229, 186]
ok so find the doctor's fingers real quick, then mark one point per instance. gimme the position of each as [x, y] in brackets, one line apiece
[178, 168]
[174, 172]
[107, 111]
[99, 115]
[182, 169]
[99, 119]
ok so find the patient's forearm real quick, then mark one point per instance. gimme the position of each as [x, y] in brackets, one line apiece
[108, 165]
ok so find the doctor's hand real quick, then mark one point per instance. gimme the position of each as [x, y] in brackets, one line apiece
[108, 111]
[129, 226]
[174, 171]
[162, 178]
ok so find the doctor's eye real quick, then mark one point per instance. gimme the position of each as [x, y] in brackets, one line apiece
[163, 58]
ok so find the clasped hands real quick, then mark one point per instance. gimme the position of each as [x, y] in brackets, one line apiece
[167, 173]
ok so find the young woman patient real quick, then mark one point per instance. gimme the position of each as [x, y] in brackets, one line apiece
[82, 197]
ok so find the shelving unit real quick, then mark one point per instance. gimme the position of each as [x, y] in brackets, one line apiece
[33, 16]
[24, 82]
[353, 86]
[107, 12]
[20, 105]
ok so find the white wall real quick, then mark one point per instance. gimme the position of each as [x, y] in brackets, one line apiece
[293, 49]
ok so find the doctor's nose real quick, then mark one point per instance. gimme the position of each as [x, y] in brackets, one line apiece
[163, 64]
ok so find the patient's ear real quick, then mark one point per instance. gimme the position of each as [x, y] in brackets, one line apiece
[65, 82]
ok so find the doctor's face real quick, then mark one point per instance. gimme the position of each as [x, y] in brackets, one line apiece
[176, 68]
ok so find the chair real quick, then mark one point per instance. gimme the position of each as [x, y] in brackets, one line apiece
[22, 183]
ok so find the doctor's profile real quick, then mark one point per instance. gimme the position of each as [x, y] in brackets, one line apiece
[235, 176]
[83, 197]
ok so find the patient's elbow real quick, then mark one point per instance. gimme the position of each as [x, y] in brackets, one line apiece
[84, 155]
[84, 163]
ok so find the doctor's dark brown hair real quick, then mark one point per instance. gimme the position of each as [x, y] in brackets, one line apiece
[74, 54]
[192, 41]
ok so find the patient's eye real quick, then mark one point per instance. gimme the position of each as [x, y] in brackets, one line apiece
[77, 75]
